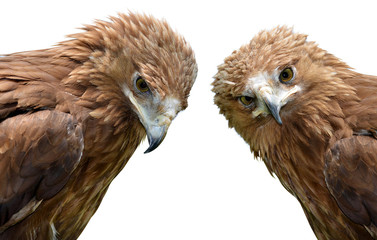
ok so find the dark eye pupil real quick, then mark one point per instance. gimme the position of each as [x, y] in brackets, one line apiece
[143, 84]
[285, 75]
[248, 99]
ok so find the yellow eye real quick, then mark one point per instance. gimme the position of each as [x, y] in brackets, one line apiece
[141, 85]
[246, 100]
[286, 75]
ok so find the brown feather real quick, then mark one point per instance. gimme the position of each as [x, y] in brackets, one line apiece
[68, 127]
[351, 177]
[332, 103]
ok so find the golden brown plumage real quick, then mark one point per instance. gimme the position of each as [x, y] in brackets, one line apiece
[71, 116]
[313, 121]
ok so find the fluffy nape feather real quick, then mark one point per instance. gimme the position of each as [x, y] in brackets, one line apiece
[294, 104]
[71, 117]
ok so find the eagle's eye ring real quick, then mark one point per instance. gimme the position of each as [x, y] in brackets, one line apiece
[247, 101]
[286, 75]
[141, 85]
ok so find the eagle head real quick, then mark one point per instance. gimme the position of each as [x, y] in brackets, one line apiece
[136, 62]
[278, 80]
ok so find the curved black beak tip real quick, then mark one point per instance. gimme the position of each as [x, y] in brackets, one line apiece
[278, 119]
[153, 144]
[274, 109]
[155, 139]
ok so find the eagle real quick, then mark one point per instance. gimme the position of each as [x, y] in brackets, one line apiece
[71, 116]
[313, 121]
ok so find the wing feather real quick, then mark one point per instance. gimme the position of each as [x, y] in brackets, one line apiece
[351, 176]
[38, 153]
[45, 65]
[31, 80]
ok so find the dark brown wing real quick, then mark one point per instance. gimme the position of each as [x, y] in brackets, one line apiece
[31, 80]
[351, 176]
[38, 152]
[44, 65]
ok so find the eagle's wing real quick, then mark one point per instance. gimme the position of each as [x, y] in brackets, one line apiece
[351, 176]
[38, 152]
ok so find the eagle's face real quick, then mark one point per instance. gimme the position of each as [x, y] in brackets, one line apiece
[149, 67]
[268, 92]
[159, 82]
[272, 83]
[154, 109]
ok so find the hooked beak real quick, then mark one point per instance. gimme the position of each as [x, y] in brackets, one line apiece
[156, 124]
[271, 95]
[275, 100]
[155, 116]
[157, 128]
[156, 135]
[274, 108]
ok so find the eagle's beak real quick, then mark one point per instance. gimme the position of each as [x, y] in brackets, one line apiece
[271, 96]
[274, 107]
[156, 134]
[157, 128]
[156, 119]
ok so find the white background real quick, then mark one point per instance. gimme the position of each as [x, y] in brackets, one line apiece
[202, 182]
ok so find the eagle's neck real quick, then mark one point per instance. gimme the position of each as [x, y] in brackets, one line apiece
[112, 132]
[296, 156]
[110, 141]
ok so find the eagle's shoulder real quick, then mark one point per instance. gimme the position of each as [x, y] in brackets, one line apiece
[39, 152]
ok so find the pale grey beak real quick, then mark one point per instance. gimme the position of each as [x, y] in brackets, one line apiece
[156, 135]
[156, 124]
[272, 97]
[274, 109]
